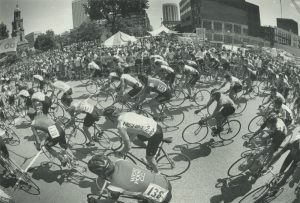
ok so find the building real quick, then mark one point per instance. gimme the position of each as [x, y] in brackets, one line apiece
[140, 21]
[276, 35]
[31, 37]
[224, 16]
[78, 13]
[288, 24]
[170, 15]
[18, 29]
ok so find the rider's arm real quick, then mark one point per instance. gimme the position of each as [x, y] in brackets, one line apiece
[206, 106]
[278, 155]
[268, 100]
[126, 140]
[217, 109]
[259, 130]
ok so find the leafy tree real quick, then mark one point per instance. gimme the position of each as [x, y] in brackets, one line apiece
[4, 33]
[113, 10]
[87, 31]
[45, 42]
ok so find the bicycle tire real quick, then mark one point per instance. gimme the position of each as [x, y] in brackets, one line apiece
[76, 137]
[27, 184]
[113, 156]
[241, 107]
[227, 132]
[58, 112]
[235, 170]
[105, 99]
[191, 133]
[255, 123]
[109, 140]
[202, 97]
[167, 168]
[91, 87]
[174, 118]
[178, 98]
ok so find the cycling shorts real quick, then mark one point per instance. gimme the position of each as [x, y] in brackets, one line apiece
[164, 97]
[50, 142]
[91, 118]
[195, 78]
[171, 78]
[227, 111]
[134, 91]
[153, 142]
[226, 66]
[277, 139]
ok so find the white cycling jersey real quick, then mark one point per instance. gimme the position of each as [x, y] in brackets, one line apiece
[190, 69]
[61, 86]
[93, 65]
[82, 106]
[131, 81]
[235, 81]
[167, 68]
[138, 124]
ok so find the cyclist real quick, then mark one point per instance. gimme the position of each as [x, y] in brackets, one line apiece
[283, 112]
[153, 85]
[56, 133]
[191, 76]
[235, 85]
[250, 78]
[273, 96]
[39, 99]
[130, 124]
[77, 107]
[283, 85]
[170, 73]
[292, 160]
[97, 70]
[127, 178]
[127, 79]
[225, 107]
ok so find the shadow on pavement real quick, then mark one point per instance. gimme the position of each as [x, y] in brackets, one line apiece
[82, 153]
[199, 150]
[231, 188]
[23, 125]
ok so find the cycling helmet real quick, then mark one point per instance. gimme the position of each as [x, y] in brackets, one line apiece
[272, 118]
[101, 165]
[110, 111]
[143, 78]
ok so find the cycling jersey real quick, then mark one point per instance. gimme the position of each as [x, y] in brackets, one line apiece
[139, 124]
[82, 106]
[191, 70]
[157, 85]
[131, 81]
[235, 81]
[167, 68]
[136, 180]
[225, 101]
[61, 86]
[93, 65]
[42, 122]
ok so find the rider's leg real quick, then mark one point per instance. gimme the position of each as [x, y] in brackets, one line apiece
[296, 175]
[152, 147]
[87, 123]
[49, 143]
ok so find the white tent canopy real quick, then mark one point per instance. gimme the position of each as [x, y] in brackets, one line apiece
[161, 30]
[119, 39]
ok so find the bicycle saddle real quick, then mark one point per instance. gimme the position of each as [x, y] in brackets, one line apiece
[167, 140]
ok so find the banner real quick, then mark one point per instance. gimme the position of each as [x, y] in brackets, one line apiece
[8, 45]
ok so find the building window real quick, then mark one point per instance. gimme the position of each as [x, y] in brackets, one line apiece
[237, 29]
[227, 39]
[218, 26]
[218, 37]
[245, 31]
[208, 36]
[228, 28]
[207, 24]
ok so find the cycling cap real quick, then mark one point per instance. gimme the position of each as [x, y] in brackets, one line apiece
[24, 93]
[111, 111]
[38, 96]
[101, 165]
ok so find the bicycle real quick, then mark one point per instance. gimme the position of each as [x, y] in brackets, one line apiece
[266, 193]
[258, 120]
[195, 133]
[9, 137]
[169, 164]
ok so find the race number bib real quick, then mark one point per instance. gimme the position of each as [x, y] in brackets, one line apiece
[53, 131]
[86, 107]
[162, 88]
[156, 193]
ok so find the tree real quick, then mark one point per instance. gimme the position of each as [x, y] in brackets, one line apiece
[112, 10]
[4, 33]
[44, 42]
[87, 31]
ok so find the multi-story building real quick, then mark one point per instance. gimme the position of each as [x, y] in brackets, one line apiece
[170, 15]
[224, 16]
[280, 36]
[78, 13]
[31, 37]
[288, 24]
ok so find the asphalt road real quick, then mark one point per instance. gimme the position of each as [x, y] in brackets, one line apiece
[209, 162]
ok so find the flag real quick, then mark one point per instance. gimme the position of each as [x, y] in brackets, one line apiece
[8, 45]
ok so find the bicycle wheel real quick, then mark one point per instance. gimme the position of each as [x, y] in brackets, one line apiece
[91, 87]
[255, 123]
[109, 140]
[177, 99]
[174, 117]
[241, 106]
[26, 184]
[194, 133]
[105, 99]
[58, 111]
[239, 166]
[230, 130]
[12, 137]
[173, 164]
[202, 97]
[76, 137]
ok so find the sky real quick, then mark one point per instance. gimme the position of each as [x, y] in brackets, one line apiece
[41, 15]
